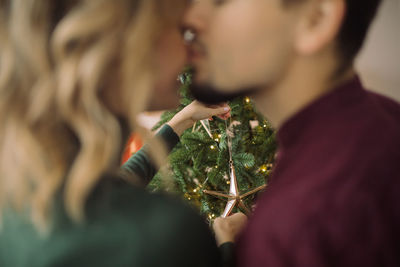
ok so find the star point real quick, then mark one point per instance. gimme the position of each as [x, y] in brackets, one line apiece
[234, 197]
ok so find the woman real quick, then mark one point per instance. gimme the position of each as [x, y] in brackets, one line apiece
[73, 76]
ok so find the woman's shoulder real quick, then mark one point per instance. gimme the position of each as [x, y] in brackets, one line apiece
[114, 195]
[154, 221]
[160, 213]
[124, 225]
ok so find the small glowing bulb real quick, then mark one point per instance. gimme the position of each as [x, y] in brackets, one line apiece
[194, 190]
[216, 140]
[212, 147]
[264, 168]
[247, 100]
[228, 182]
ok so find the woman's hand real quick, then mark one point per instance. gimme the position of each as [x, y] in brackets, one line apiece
[227, 229]
[194, 112]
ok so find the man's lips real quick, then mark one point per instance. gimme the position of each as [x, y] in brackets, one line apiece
[194, 54]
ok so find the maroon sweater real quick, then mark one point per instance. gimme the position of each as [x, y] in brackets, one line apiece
[334, 196]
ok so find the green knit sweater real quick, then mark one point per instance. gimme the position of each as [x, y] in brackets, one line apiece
[124, 226]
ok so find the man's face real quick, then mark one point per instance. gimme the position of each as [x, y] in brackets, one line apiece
[241, 46]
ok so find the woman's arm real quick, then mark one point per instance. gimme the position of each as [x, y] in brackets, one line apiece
[140, 163]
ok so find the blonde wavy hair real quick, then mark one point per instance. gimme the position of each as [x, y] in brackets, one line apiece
[70, 72]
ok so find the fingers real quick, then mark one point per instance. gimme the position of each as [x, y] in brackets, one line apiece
[227, 229]
[236, 221]
[238, 218]
[200, 111]
[225, 116]
[222, 112]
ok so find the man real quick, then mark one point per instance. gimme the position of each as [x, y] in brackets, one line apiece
[334, 196]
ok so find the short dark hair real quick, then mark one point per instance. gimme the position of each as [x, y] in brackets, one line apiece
[358, 18]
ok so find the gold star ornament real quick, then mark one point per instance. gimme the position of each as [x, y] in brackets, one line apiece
[234, 197]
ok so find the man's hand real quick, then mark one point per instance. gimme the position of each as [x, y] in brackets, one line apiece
[227, 229]
[194, 112]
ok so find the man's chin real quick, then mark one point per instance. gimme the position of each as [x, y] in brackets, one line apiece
[208, 94]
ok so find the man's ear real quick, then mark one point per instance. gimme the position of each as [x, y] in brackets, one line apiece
[319, 25]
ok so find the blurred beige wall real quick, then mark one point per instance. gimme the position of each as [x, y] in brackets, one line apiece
[379, 61]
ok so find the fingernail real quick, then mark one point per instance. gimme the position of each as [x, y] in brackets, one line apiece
[227, 108]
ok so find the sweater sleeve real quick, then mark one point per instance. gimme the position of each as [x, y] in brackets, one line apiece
[227, 251]
[140, 163]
